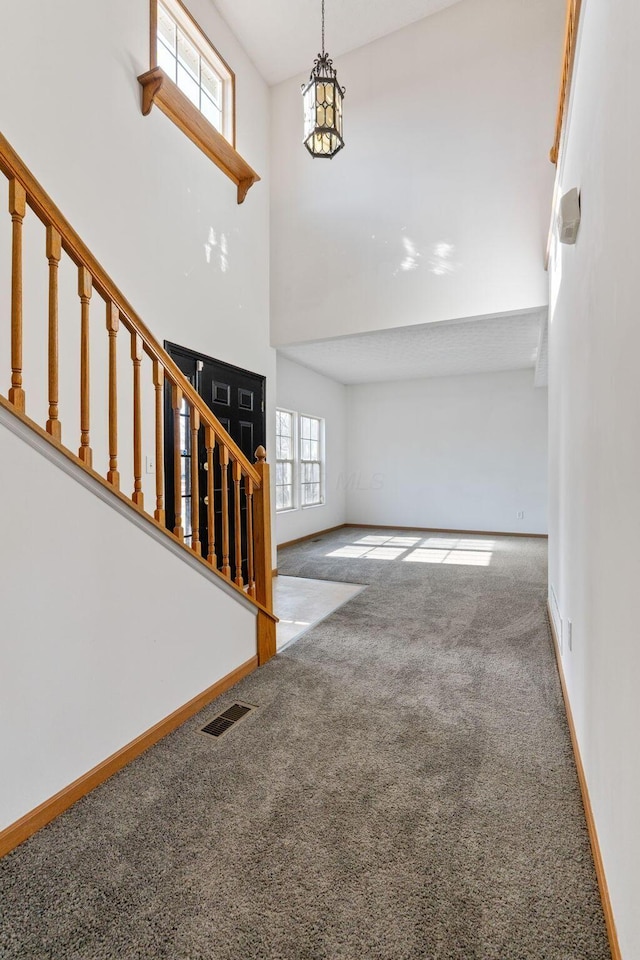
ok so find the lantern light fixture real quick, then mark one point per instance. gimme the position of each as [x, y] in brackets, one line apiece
[322, 97]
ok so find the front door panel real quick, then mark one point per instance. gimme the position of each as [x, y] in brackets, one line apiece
[236, 397]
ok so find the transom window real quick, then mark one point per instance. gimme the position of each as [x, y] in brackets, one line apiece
[310, 461]
[285, 460]
[187, 57]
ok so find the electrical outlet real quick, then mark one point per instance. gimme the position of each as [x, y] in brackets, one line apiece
[150, 465]
[520, 515]
[570, 634]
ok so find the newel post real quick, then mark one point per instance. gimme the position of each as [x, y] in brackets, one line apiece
[263, 559]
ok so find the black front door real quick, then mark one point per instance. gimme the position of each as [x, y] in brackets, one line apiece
[237, 398]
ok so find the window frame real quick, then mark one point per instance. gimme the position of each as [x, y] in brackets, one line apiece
[160, 90]
[208, 52]
[320, 461]
[293, 461]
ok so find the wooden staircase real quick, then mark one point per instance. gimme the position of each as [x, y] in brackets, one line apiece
[238, 492]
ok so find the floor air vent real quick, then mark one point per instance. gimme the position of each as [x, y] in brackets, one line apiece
[224, 721]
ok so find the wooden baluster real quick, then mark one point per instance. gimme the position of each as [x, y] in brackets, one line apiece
[224, 478]
[158, 383]
[84, 292]
[248, 496]
[195, 482]
[17, 209]
[113, 325]
[237, 477]
[176, 403]
[54, 252]
[263, 559]
[136, 355]
[262, 533]
[209, 442]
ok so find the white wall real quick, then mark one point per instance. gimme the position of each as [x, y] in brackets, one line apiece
[154, 211]
[304, 391]
[151, 207]
[104, 632]
[594, 455]
[437, 208]
[461, 453]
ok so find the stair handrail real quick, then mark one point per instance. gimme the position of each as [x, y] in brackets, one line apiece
[245, 547]
[50, 215]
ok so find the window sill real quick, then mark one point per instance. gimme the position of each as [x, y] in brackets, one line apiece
[312, 506]
[159, 89]
[286, 510]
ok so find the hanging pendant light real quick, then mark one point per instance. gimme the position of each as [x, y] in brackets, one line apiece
[322, 97]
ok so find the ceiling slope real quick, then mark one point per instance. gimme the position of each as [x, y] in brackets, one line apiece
[282, 37]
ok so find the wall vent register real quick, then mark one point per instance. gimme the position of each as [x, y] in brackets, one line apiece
[224, 721]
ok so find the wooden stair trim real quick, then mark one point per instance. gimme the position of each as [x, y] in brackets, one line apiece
[266, 633]
[44, 208]
[25, 190]
[140, 514]
[607, 908]
[16, 833]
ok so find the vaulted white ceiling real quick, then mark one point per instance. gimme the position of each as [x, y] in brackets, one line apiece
[282, 37]
[448, 348]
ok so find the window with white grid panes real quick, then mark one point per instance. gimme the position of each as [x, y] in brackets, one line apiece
[285, 460]
[311, 492]
[187, 57]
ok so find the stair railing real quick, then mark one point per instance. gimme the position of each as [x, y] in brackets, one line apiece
[237, 498]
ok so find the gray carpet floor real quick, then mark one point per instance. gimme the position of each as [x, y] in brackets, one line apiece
[405, 789]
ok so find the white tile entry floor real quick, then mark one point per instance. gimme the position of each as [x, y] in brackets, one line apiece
[301, 603]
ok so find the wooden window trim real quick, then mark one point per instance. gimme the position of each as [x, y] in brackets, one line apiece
[159, 89]
[574, 8]
[153, 52]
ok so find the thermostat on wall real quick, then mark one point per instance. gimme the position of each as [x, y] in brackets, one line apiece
[569, 216]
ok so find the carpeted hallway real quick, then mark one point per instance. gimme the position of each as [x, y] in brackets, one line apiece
[405, 789]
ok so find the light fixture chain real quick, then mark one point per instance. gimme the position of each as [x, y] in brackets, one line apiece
[323, 28]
